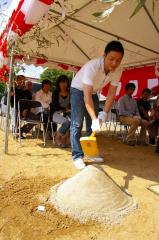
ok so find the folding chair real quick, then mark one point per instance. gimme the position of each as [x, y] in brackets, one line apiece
[27, 106]
[53, 130]
[115, 122]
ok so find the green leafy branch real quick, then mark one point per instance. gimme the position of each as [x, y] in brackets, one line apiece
[106, 12]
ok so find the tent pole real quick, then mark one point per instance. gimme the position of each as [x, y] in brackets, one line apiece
[8, 101]
[79, 48]
[104, 31]
[151, 19]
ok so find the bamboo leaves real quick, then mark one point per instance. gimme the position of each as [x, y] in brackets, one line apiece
[112, 3]
[138, 7]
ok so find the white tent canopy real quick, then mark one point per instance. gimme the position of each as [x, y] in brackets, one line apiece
[79, 36]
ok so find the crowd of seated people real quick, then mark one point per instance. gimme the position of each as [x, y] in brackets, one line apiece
[55, 106]
[44, 96]
[56, 109]
[139, 114]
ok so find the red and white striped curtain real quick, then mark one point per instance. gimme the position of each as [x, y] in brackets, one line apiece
[23, 18]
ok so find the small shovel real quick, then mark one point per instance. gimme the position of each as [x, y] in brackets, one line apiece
[89, 145]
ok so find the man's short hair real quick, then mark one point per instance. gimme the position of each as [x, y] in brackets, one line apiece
[146, 90]
[114, 46]
[130, 85]
[45, 82]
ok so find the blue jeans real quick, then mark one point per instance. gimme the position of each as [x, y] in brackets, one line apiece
[64, 127]
[60, 119]
[78, 112]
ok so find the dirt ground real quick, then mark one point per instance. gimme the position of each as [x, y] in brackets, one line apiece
[28, 172]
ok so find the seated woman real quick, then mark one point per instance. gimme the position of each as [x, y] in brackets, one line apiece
[60, 110]
[154, 127]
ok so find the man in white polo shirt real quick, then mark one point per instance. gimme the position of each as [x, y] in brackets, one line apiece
[91, 78]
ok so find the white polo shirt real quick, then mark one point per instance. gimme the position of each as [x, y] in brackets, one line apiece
[92, 73]
[44, 99]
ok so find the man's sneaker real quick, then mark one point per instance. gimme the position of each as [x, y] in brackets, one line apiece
[96, 159]
[79, 163]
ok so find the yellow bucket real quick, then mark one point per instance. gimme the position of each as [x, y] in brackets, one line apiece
[89, 145]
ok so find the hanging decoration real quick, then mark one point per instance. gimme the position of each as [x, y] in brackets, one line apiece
[23, 18]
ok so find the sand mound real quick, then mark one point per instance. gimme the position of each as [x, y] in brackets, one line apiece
[92, 194]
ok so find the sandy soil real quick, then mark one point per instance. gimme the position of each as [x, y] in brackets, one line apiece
[29, 170]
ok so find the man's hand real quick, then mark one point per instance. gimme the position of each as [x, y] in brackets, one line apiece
[95, 125]
[102, 116]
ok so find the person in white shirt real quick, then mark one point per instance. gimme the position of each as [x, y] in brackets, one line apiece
[44, 96]
[91, 78]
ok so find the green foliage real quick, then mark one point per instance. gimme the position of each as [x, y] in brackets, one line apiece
[138, 7]
[2, 87]
[105, 12]
[53, 74]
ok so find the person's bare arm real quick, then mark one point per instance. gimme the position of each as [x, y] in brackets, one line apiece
[88, 91]
[110, 98]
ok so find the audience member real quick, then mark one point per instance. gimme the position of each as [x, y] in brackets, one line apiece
[154, 127]
[143, 104]
[29, 87]
[17, 93]
[44, 96]
[129, 115]
[20, 92]
[60, 110]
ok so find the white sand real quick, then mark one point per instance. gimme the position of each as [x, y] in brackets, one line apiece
[92, 194]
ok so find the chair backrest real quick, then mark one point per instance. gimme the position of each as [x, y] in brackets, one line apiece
[28, 104]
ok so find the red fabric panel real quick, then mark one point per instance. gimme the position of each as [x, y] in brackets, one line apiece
[20, 26]
[77, 68]
[14, 15]
[142, 76]
[40, 61]
[19, 57]
[64, 66]
[4, 72]
[155, 91]
[48, 2]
